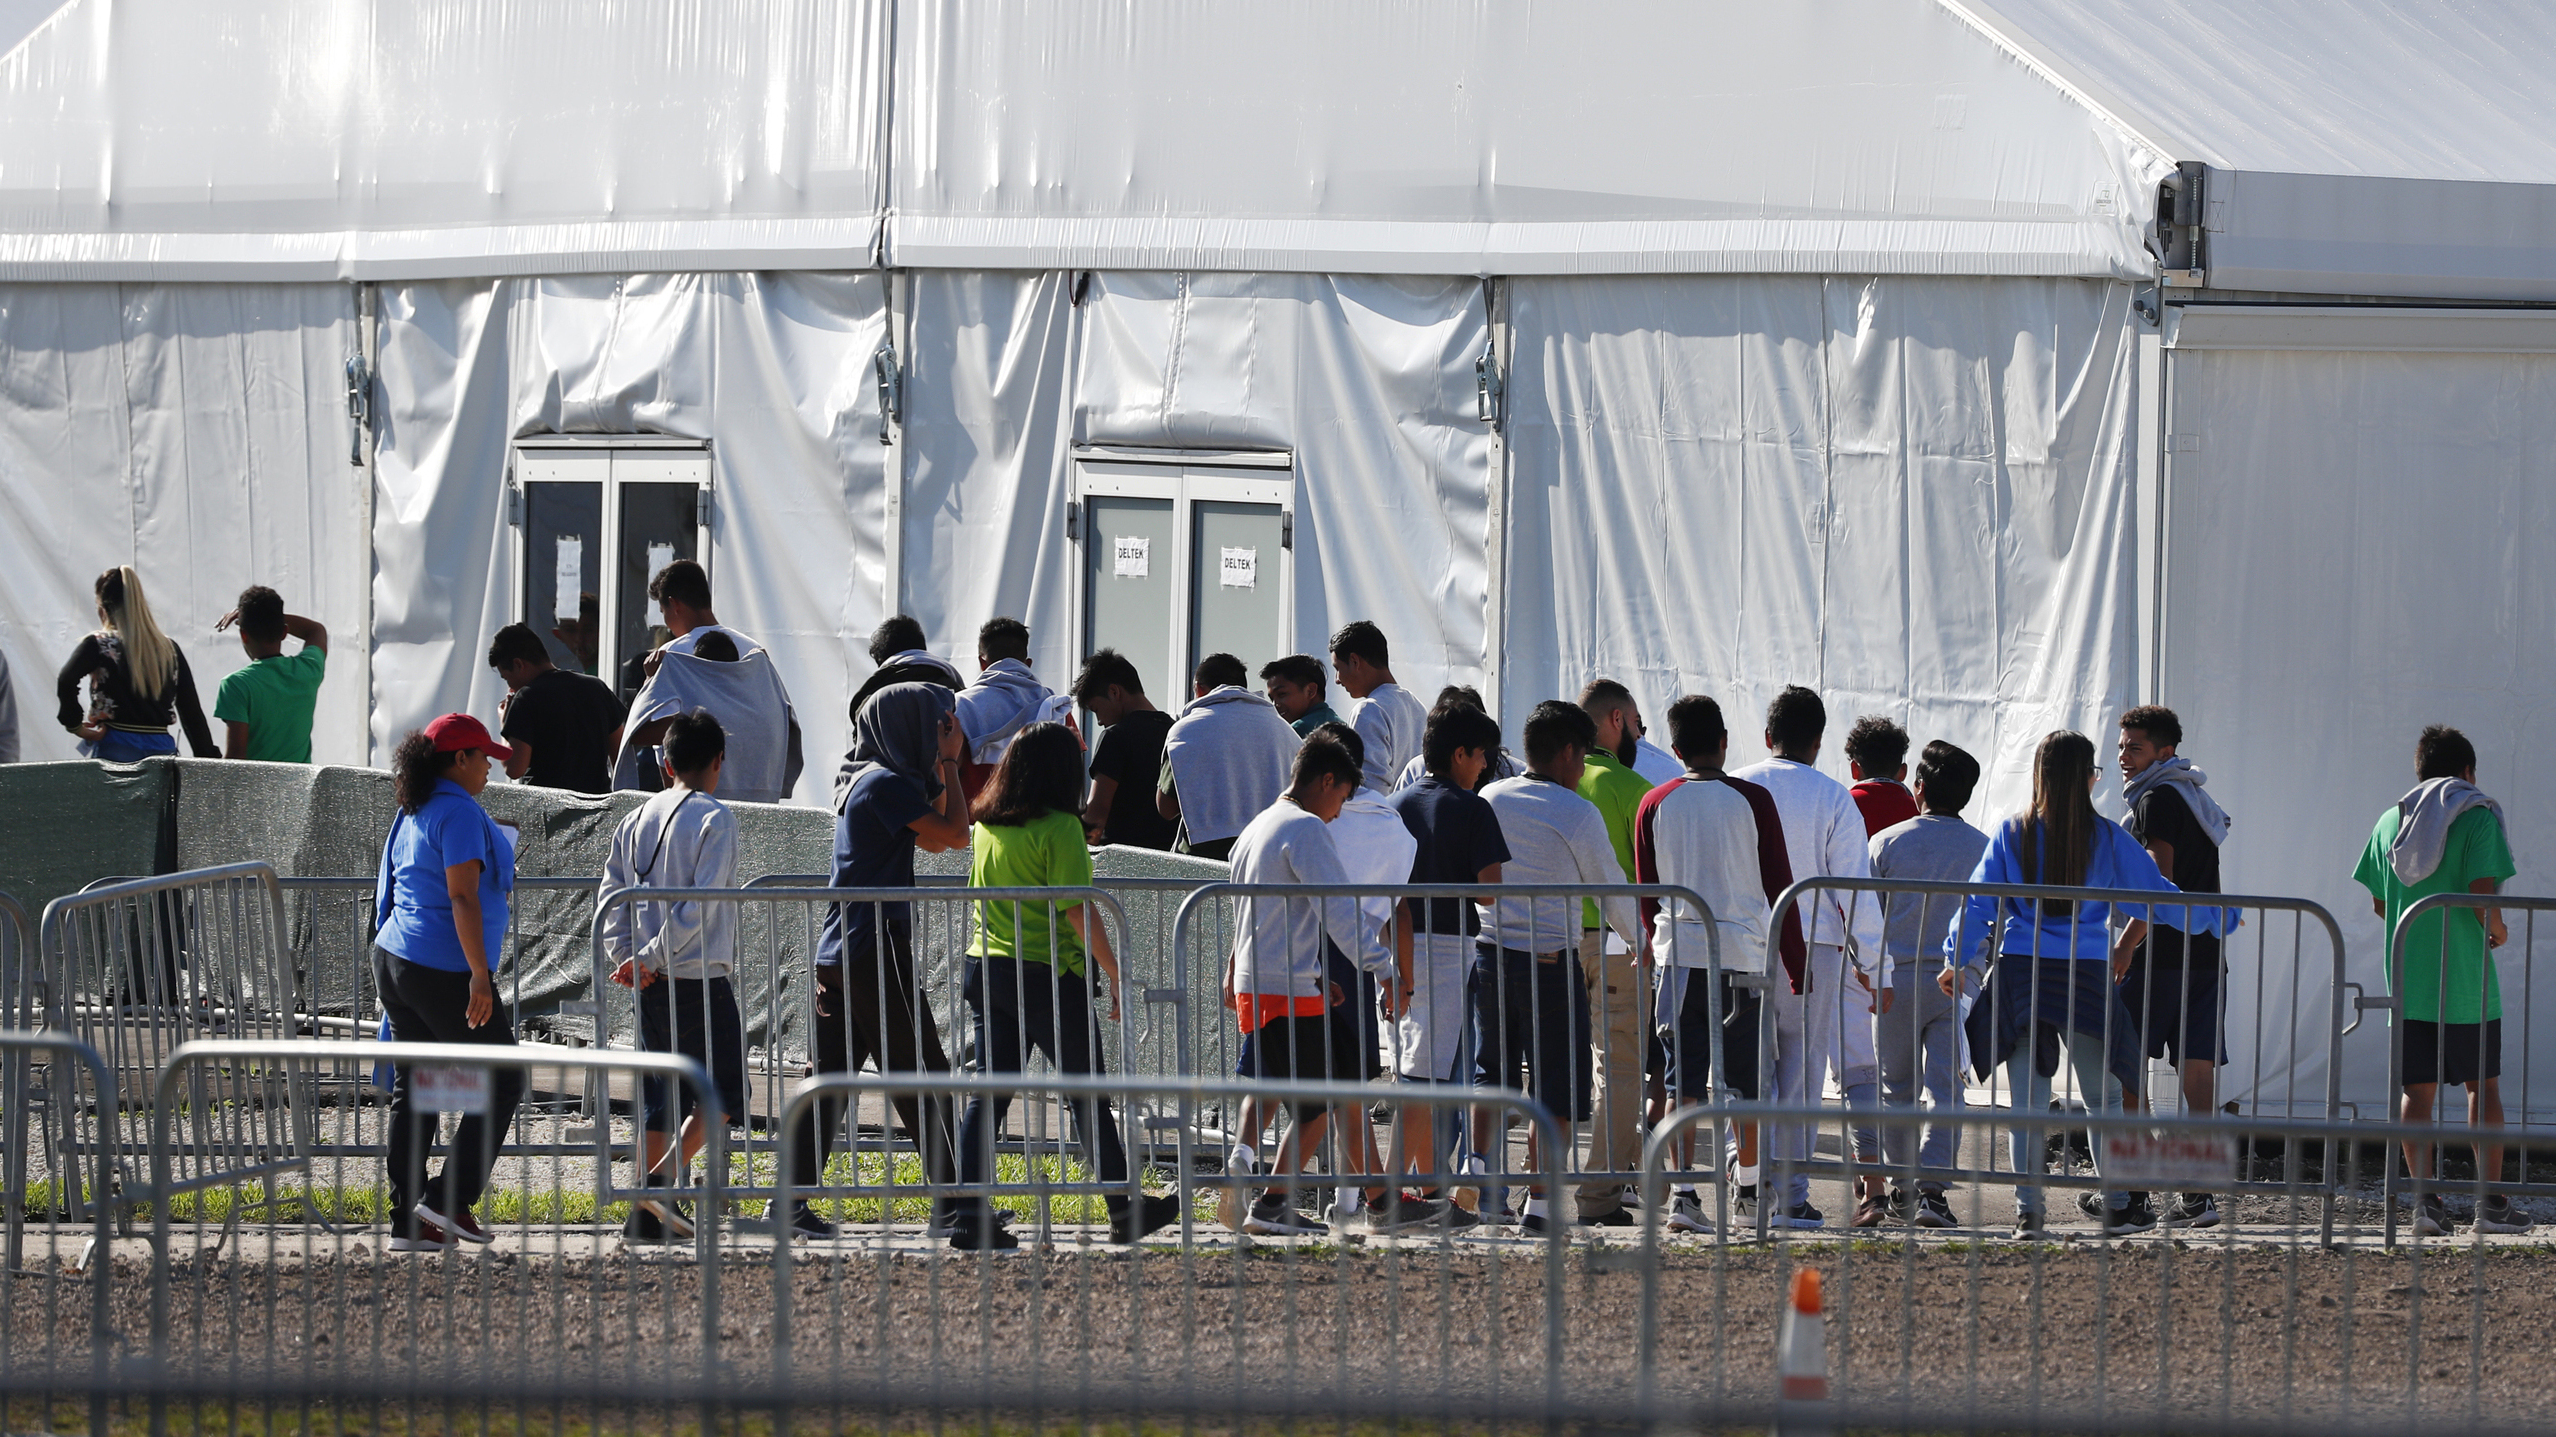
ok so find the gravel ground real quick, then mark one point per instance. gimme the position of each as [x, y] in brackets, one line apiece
[2254, 1328]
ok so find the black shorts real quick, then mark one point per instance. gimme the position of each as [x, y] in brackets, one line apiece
[1689, 1042]
[1314, 1048]
[674, 1018]
[1358, 986]
[1531, 1027]
[2176, 1009]
[2452, 1052]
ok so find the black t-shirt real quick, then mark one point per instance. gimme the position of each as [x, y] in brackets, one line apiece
[2161, 816]
[568, 719]
[1131, 751]
[1459, 836]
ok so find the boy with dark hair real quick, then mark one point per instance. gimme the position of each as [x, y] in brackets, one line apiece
[1295, 685]
[1005, 699]
[1127, 757]
[268, 705]
[1459, 841]
[1503, 763]
[1388, 716]
[1225, 760]
[1722, 838]
[1919, 1040]
[677, 955]
[1877, 757]
[2445, 836]
[1826, 1019]
[1530, 1003]
[897, 647]
[564, 728]
[1277, 981]
[682, 594]
[2171, 981]
[1619, 1009]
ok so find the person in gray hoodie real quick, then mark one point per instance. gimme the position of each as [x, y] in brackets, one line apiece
[1005, 699]
[1225, 761]
[676, 956]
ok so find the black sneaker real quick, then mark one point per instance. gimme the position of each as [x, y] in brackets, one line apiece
[2193, 1210]
[945, 1220]
[642, 1226]
[1272, 1217]
[2498, 1214]
[2134, 1216]
[1903, 1203]
[1612, 1217]
[804, 1222]
[973, 1234]
[2432, 1218]
[1536, 1224]
[1151, 1211]
[1801, 1214]
[1933, 1211]
[2030, 1227]
[2091, 1204]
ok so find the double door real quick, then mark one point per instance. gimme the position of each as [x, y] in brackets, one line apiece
[595, 522]
[1182, 559]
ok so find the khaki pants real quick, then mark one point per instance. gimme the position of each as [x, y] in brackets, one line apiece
[1619, 1023]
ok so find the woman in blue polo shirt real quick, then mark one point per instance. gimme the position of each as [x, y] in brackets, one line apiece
[440, 924]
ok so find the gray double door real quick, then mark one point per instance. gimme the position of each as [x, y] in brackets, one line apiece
[1185, 560]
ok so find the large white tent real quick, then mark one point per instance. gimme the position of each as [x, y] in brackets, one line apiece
[1991, 366]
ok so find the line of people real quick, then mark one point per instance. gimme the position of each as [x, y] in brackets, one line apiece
[1587, 1006]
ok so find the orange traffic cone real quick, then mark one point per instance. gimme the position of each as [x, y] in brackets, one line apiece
[1801, 1358]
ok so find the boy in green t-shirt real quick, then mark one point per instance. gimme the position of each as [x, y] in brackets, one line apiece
[2445, 837]
[268, 704]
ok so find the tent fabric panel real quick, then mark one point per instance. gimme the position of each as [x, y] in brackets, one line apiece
[1918, 490]
[1370, 382]
[2410, 238]
[2321, 610]
[1518, 136]
[310, 139]
[198, 433]
[984, 443]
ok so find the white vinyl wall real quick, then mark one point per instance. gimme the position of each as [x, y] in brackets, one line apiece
[199, 433]
[1913, 495]
[2354, 551]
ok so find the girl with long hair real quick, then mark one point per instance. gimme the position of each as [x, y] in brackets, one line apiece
[2052, 984]
[1032, 979]
[139, 682]
[439, 910]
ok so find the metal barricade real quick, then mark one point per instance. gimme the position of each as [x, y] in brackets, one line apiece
[20, 1005]
[330, 928]
[1575, 1010]
[273, 1275]
[2256, 1322]
[1401, 1323]
[2449, 1047]
[2282, 967]
[905, 1002]
[57, 1333]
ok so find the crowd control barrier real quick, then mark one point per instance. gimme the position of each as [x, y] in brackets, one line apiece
[1404, 1323]
[19, 1006]
[58, 1239]
[2261, 1322]
[1569, 1014]
[269, 1271]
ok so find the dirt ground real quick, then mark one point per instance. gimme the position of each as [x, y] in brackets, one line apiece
[2187, 1331]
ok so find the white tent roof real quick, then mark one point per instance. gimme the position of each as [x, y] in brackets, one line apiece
[2355, 145]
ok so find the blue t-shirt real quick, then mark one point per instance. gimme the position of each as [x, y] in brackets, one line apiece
[873, 848]
[1459, 837]
[412, 905]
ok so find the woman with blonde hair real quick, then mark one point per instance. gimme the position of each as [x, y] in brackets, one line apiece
[139, 682]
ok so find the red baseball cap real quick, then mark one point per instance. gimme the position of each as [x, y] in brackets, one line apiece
[454, 732]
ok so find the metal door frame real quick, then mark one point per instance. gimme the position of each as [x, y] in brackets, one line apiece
[610, 448]
[1186, 477]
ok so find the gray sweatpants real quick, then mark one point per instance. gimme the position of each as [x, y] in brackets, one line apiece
[1919, 1042]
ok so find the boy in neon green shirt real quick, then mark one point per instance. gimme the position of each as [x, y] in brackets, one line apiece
[268, 705]
[1617, 1005]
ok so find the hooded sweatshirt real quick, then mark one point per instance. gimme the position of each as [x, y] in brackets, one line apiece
[1230, 756]
[890, 781]
[747, 699]
[1004, 700]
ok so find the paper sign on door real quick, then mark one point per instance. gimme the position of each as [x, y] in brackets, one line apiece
[450, 1090]
[569, 579]
[1131, 556]
[1240, 569]
[659, 555]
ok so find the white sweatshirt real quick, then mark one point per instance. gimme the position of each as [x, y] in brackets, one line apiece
[1554, 836]
[1278, 941]
[1824, 834]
